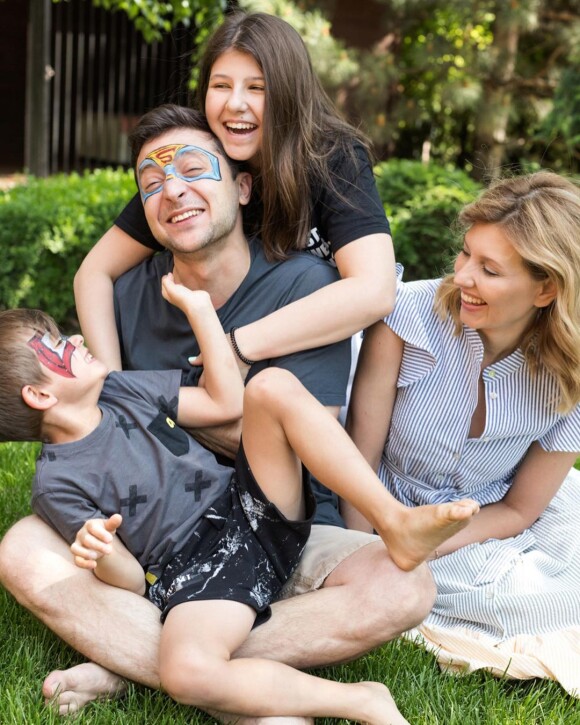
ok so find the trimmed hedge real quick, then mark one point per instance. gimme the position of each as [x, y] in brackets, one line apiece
[48, 225]
[46, 228]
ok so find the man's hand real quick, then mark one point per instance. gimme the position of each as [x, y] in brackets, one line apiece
[94, 540]
[188, 301]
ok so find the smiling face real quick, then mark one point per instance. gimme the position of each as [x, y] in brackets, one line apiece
[190, 199]
[499, 296]
[181, 161]
[234, 104]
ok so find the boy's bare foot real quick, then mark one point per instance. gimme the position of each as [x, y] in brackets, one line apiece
[382, 709]
[67, 691]
[420, 530]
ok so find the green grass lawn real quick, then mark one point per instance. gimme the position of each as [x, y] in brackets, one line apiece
[28, 652]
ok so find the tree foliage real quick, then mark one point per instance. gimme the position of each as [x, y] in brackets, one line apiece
[154, 18]
[477, 83]
[561, 126]
[481, 82]
[333, 62]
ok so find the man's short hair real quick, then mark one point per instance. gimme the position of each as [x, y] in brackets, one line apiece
[168, 117]
[19, 366]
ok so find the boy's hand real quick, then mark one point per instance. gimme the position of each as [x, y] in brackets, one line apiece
[181, 296]
[94, 541]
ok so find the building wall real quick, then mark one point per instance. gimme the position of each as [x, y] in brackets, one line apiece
[74, 79]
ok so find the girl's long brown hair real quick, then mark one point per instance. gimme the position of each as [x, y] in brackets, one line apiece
[301, 131]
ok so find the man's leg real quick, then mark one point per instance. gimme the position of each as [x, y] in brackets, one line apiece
[121, 631]
[317, 628]
[36, 566]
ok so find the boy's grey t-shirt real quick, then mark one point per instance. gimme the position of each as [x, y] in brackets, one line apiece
[138, 463]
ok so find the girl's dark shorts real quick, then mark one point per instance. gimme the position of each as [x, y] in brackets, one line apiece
[243, 549]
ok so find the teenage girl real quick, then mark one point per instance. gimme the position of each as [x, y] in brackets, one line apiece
[313, 189]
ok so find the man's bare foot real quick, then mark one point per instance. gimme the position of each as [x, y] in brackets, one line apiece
[67, 691]
[382, 709]
[420, 530]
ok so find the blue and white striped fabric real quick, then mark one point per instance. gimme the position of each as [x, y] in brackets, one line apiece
[526, 584]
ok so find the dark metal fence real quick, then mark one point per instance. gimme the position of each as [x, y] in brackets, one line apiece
[92, 81]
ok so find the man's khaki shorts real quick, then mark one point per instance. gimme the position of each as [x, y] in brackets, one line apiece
[325, 549]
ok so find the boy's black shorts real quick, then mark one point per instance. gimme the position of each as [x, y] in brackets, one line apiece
[243, 549]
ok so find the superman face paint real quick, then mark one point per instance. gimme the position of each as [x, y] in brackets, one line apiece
[54, 354]
[189, 163]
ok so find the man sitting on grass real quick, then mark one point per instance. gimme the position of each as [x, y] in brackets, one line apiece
[342, 571]
[216, 547]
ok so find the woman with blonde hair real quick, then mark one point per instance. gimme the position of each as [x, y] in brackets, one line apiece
[475, 389]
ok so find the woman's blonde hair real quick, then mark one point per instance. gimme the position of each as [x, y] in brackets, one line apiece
[540, 215]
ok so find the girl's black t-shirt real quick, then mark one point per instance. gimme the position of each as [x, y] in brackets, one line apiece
[337, 218]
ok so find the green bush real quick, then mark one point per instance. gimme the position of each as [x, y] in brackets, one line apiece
[48, 225]
[46, 228]
[422, 201]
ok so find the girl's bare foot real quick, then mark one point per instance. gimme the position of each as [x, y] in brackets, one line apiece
[67, 691]
[420, 530]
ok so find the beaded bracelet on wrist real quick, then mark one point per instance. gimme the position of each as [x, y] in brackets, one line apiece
[237, 350]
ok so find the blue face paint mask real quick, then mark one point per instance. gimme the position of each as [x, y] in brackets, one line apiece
[189, 163]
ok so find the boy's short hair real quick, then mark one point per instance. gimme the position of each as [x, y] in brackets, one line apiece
[19, 366]
[168, 117]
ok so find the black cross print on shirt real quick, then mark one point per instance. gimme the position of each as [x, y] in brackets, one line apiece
[125, 426]
[132, 500]
[168, 407]
[198, 485]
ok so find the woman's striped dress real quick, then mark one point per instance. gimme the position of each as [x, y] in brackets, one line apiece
[528, 584]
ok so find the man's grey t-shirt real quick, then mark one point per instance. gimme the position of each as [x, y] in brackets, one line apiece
[138, 463]
[155, 335]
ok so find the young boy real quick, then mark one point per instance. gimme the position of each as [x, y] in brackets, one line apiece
[216, 548]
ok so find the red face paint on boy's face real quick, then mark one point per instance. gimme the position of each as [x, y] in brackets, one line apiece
[54, 355]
